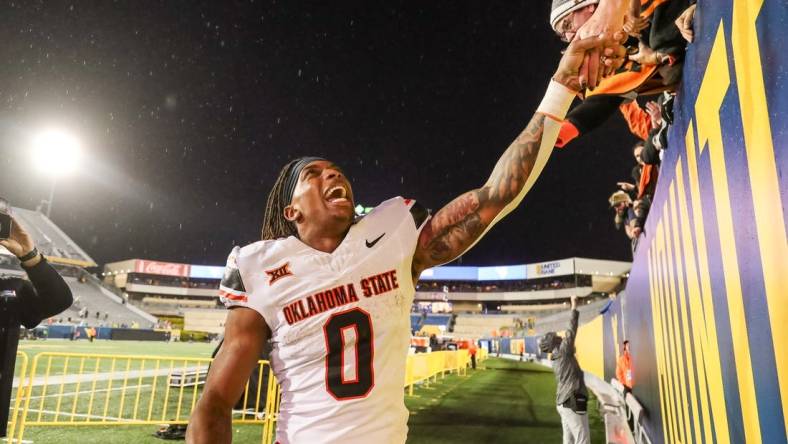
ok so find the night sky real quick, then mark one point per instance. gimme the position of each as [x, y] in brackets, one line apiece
[187, 110]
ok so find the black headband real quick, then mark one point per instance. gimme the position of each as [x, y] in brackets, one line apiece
[292, 176]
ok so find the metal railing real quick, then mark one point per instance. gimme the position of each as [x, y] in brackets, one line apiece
[75, 389]
[21, 366]
[426, 367]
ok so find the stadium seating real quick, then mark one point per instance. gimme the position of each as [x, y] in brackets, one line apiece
[173, 306]
[50, 239]
[476, 326]
[415, 322]
[559, 321]
[88, 293]
[94, 297]
[440, 320]
[210, 321]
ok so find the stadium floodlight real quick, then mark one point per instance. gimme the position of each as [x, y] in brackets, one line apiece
[56, 154]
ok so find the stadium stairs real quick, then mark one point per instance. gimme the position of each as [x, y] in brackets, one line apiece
[51, 240]
[95, 297]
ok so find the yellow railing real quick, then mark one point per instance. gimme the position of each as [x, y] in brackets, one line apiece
[21, 366]
[73, 389]
[426, 367]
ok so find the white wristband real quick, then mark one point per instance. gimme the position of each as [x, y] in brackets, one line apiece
[556, 101]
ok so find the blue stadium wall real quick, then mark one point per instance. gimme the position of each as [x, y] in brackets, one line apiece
[706, 306]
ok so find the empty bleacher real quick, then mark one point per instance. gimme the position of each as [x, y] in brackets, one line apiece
[210, 321]
[481, 325]
[559, 321]
[50, 239]
[438, 322]
[91, 295]
[415, 321]
[173, 306]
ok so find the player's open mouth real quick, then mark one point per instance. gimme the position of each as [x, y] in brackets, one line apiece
[337, 194]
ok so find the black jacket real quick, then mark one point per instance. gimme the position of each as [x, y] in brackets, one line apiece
[25, 303]
[567, 371]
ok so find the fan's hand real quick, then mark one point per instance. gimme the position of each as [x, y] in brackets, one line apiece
[580, 53]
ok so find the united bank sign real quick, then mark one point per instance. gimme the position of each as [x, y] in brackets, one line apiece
[555, 268]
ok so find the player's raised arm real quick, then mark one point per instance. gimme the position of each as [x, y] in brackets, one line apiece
[244, 337]
[461, 223]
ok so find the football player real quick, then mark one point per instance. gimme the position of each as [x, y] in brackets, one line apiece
[333, 293]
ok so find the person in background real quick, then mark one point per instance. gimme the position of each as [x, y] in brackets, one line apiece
[571, 394]
[91, 332]
[621, 203]
[624, 368]
[433, 342]
[24, 302]
[472, 351]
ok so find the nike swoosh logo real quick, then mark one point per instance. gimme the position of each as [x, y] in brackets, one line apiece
[372, 244]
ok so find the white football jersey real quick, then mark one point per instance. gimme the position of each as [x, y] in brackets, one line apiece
[340, 325]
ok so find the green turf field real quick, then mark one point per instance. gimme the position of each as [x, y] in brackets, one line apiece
[509, 402]
[506, 402]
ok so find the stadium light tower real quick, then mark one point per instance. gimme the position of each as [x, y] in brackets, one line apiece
[56, 154]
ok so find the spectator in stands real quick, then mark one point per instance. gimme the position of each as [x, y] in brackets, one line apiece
[637, 223]
[571, 394]
[644, 176]
[620, 202]
[685, 21]
[629, 216]
[656, 49]
[624, 368]
[651, 125]
[25, 303]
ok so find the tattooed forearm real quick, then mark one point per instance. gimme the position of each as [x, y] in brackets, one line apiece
[516, 164]
[458, 225]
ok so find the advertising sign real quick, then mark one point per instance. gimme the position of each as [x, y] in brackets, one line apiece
[554, 268]
[206, 272]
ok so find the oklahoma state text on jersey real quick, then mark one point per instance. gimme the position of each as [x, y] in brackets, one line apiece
[340, 325]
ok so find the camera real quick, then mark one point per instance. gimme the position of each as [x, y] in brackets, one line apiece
[5, 219]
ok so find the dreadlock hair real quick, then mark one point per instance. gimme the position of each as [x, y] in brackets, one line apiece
[275, 226]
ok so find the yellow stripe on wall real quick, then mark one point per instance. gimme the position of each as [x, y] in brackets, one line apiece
[708, 324]
[691, 413]
[589, 341]
[694, 296]
[767, 201]
[707, 113]
[657, 327]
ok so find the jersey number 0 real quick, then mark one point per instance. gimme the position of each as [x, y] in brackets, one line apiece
[341, 387]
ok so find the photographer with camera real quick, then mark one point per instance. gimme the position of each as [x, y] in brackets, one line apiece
[23, 302]
[571, 394]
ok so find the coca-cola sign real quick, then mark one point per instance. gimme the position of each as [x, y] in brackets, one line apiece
[163, 268]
